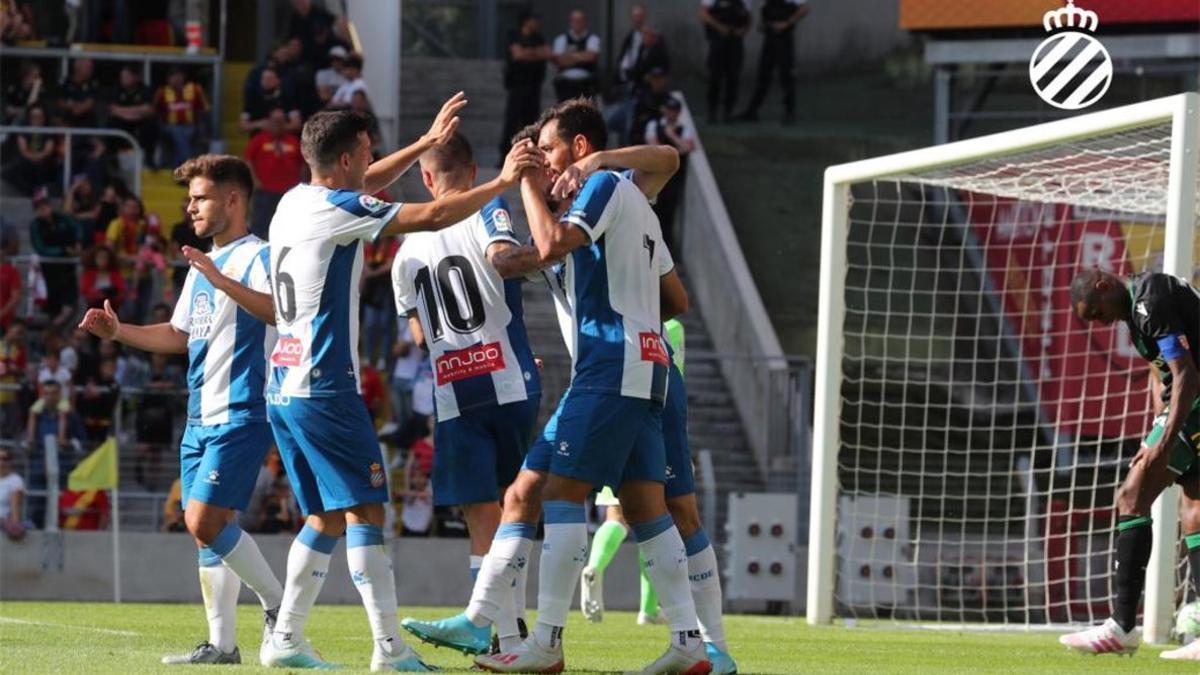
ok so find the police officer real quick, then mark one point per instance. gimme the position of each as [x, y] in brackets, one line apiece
[779, 18]
[726, 22]
[524, 71]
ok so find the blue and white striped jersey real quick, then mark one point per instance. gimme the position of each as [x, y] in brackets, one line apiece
[227, 346]
[316, 261]
[607, 293]
[473, 320]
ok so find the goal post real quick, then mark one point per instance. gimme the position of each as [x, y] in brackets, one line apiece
[967, 436]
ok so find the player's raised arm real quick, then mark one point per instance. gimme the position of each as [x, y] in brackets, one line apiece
[161, 338]
[384, 172]
[259, 304]
[653, 166]
[444, 212]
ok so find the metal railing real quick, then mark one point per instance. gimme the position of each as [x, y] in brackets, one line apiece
[70, 132]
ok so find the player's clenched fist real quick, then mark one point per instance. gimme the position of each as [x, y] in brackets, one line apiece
[524, 155]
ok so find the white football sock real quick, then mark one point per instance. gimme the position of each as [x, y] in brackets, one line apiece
[507, 557]
[242, 555]
[476, 562]
[308, 563]
[371, 571]
[519, 593]
[705, 581]
[666, 563]
[564, 553]
[219, 585]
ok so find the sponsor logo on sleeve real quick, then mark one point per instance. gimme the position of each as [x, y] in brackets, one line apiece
[501, 220]
[469, 362]
[653, 348]
[288, 351]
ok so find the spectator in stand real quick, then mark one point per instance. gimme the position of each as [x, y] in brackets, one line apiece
[11, 284]
[101, 280]
[524, 71]
[726, 23]
[269, 473]
[48, 415]
[650, 101]
[668, 129]
[14, 359]
[78, 93]
[124, 233]
[416, 515]
[374, 394]
[23, 94]
[133, 111]
[39, 161]
[277, 165]
[53, 235]
[52, 368]
[97, 400]
[155, 422]
[352, 71]
[361, 104]
[183, 234]
[150, 267]
[642, 50]
[378, 303]
[12, 499]
[91, 157]
[278, 512]
[408, 358]
[257, 109]
[577, 55]
[328, 79]
[71, 351]
[15, 22]
[173, 508]
[110, 208]
[182, 106]
[82, 204]
[307, 23]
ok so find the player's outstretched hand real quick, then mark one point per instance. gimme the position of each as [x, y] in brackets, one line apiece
[446, 122]
[103, 323]
[204, 265]
[523, 156]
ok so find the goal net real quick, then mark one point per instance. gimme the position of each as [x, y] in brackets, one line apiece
[973, 432]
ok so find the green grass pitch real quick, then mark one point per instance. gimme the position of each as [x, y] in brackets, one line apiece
[106, 638]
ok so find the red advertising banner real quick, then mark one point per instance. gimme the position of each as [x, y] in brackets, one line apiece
[957, 14]
[1091, 382]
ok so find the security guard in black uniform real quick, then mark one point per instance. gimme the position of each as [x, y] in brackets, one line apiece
[726, 22]
[779, 18]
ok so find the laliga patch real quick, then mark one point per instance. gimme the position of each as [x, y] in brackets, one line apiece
[370, 203]
[288, 351]
[653, 349]
[469, 362]
[376, 475]
[501, 220]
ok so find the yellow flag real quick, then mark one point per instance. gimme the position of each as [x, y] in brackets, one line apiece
[97, 471]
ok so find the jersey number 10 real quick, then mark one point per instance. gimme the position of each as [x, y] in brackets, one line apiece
[442, 294]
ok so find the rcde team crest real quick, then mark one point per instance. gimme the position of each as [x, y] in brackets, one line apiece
[1070, 69]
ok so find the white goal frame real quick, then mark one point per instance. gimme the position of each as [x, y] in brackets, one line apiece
[1183, 112]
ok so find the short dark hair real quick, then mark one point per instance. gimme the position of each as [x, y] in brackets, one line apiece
[577, 116]
[224, 170]
[1083, 286]
[453, 156]
[329, 134]
[528, 132]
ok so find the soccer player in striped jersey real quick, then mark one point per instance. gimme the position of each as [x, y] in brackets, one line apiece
[608, 427]
[471, 322]
[227, 434]
[325, 435]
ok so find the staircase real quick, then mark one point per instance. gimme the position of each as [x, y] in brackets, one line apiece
[713, 421]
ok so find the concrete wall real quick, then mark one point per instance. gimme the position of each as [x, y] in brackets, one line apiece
[837, 34]
[158, 567]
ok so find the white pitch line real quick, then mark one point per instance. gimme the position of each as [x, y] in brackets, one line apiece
[107, 631]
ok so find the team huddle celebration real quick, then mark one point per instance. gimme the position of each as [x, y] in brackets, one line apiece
[271, 334]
